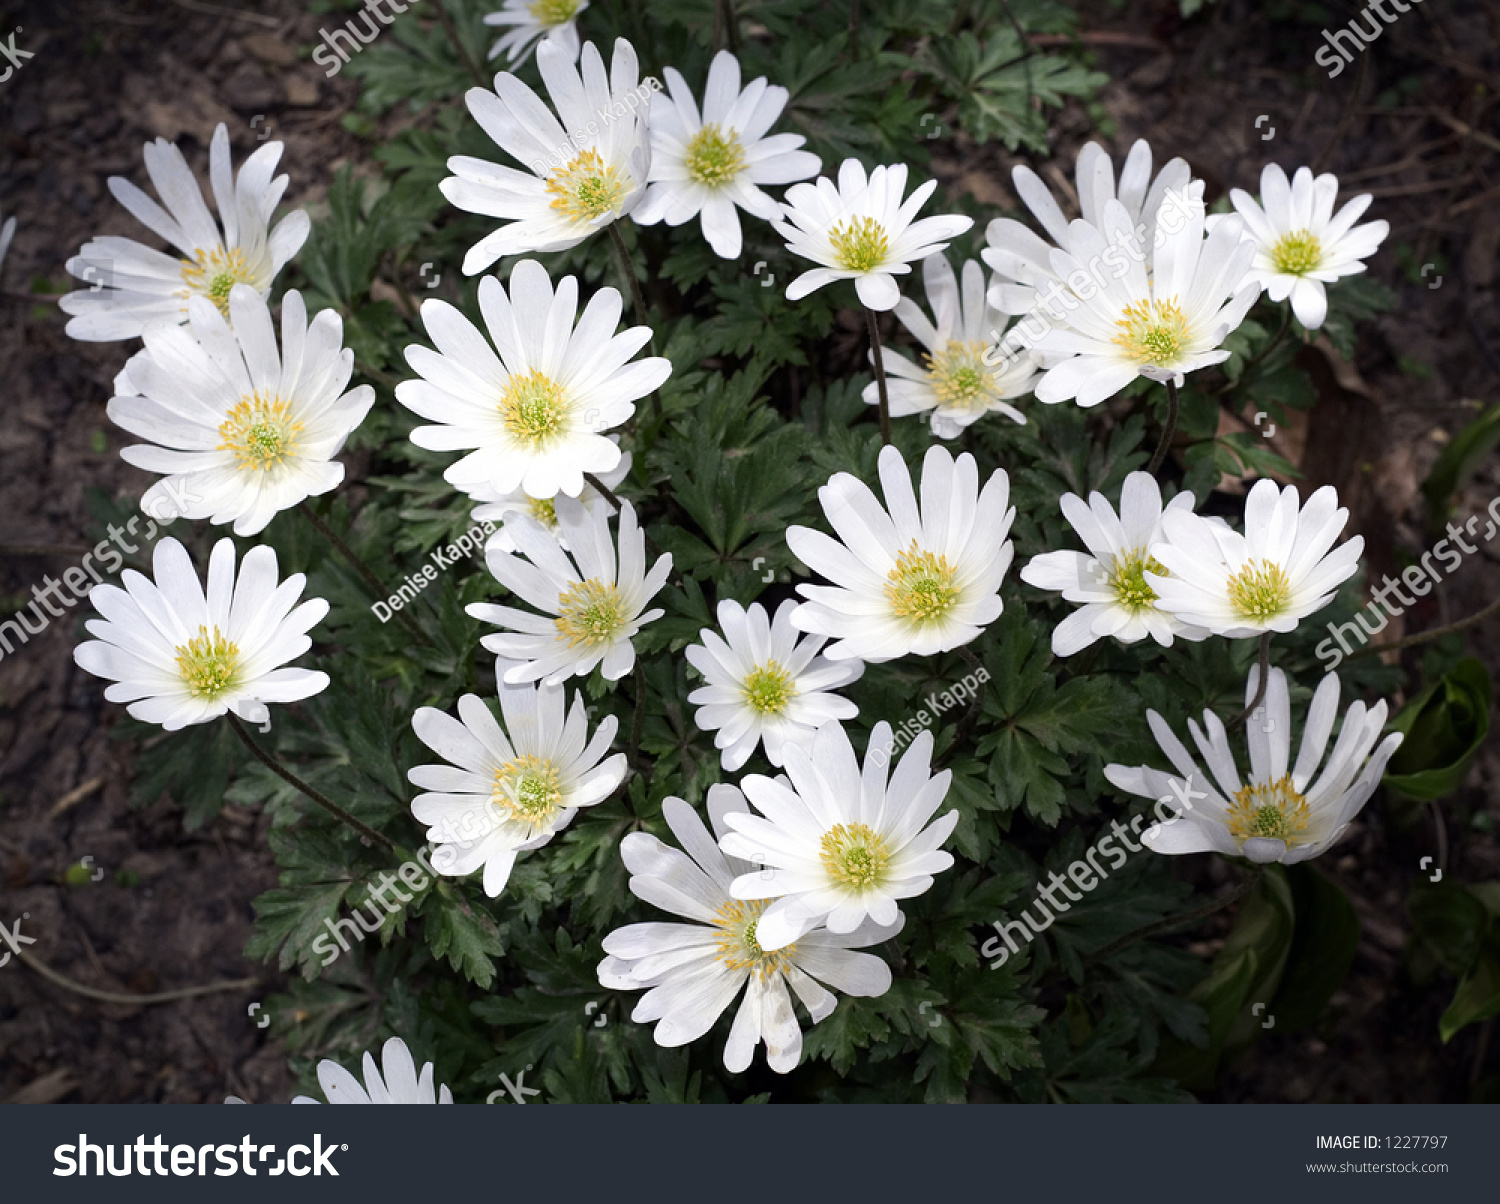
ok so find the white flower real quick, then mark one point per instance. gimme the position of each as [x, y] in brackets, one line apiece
[532, 413]
[179, 658]
[1022, 261]
[695, 971]
[916, 579]
[763, 684]
[1300, 243]
[1278, 572]
[584, 171]
[240, 429]
[132, 286]
[958, 385]
[861, 231]
[839, 846]
[7, 232]
[505, 794]
[400, 1085]
[592, 611]
[1158, 324]
[1275, 815]
[499, 507]
[712, 163]
[557, 20]
[1110, 580]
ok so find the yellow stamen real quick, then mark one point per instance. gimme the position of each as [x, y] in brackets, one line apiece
[209, 664]
[738, 948]
[860, 244]
[213, 273]
[1270, 809]
[1260, 591]
[1297, 253]
[921, 587]
[1152, 333]
[714, 156]
[586, 189]
[855, 856]
[590, 614]
[527, 790]
[768, 688]
[260, 432]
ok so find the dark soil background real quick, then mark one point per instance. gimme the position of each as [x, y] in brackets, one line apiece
[1412, 122]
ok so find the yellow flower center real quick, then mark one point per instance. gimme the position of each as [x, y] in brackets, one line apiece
[860, 244]
[209, 664]
[527, 791]
[590, 613]
[855, 856]
[534, 409]
[213, 273]
[1152, 333]
[1297, 253]
[1270, 809]
[959, 376]
[586, 189]
[1128, 580]
[768, 689]
[738, 948]
[553, 12]
[1260, 591]
[260, 432]
[921, 587]
[714, 157]
[544, 510]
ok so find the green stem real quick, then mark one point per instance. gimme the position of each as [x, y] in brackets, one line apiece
[1260, 685]
[1167, 431]
[291, 779]
[879, 358]
[1423, 637]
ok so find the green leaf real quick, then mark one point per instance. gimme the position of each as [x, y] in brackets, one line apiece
[1324, 941]
[1458, 460]
[1444, 726]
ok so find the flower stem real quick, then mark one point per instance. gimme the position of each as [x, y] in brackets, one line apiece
[1423, 637]
[628, 271]
[604, 491]
[1167, 431]
[291, 779]
[1178, 921]
[464, 56]
[1260, 685]
[885, 400]
[78, 988]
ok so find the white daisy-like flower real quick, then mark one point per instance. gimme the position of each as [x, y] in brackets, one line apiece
[861, 230]
[837, 845]
[242, 430]
[1159, 324]
[132, 286]
[401, 1084]
[1110, 579]
[710, 163]
[591, 608]
[180, 657]
[555, 20]
[1279, 571]
[912, 578]
[1300, 243]
[1022, 260]
[510, 790]
[763, 684]
[587, 163]
[959, 384]
[497, 507]
[7, 232]
[1276, 815]
[532, 400]
[695, 971]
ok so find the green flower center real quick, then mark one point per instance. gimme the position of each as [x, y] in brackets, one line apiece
[586, 189]
[1269, 809]
[591, 613]
[959, 377]
[1260, 591]
[213, 273]
[544, 510]
[1297, 253]
[860, 244]
[534, 410]
[260, 432]
[855, 856]
[738, 948]
[528, 791]
[208, 663]
[714, 157]
[553, 12]
[1128, 580]
[768, 688]
[921, 587]
[1152, 333]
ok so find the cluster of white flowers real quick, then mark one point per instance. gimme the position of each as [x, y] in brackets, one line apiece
[800, 870]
